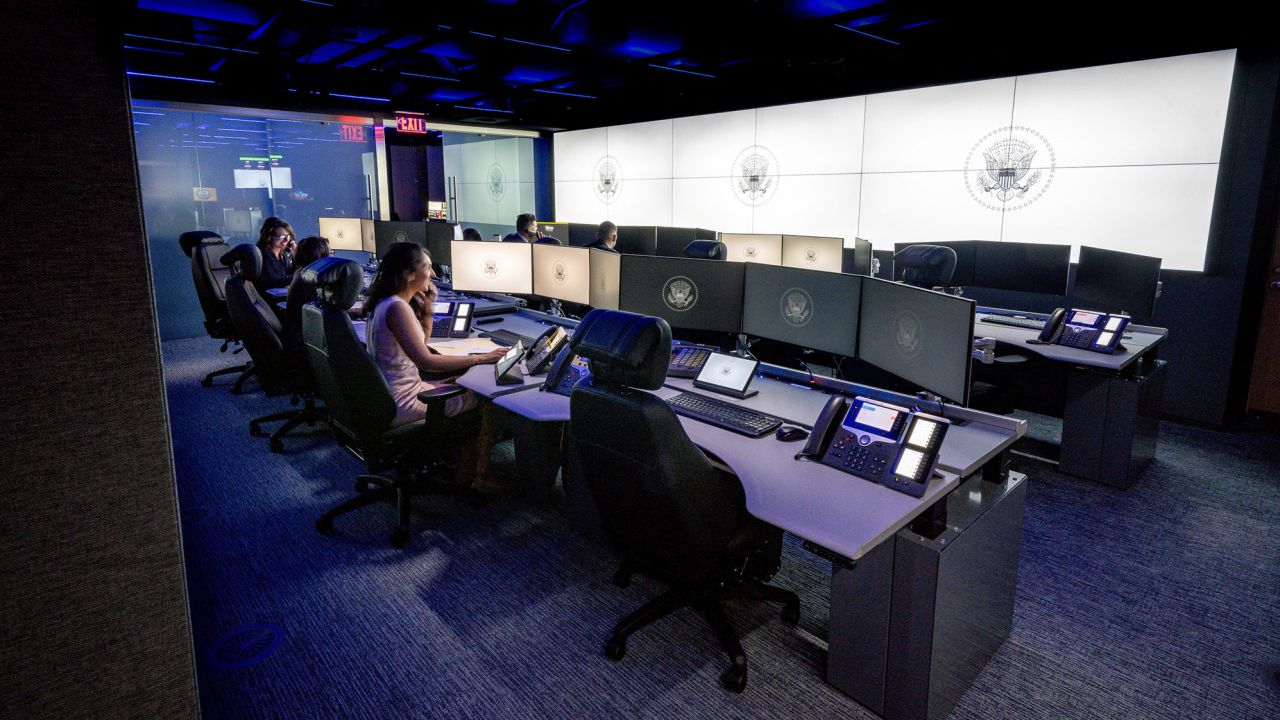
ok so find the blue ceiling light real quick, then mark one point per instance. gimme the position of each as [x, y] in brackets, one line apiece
[430, 77]
[450, 96]
[482, 34]
[530, 75]
[447, 48]
[404, 42]
[827, 8]
[262, 28]
[484, 109]
[373, 54]
[192, 44]
[360, 97]
[326, 52]
[154, 50]
[867, 34]
[564, 12]
[918, 24]
[644, 43]
[170, 77]
[869, 20]
[207, 9]
[681, 70]
[540, 45]
[566, 94]
[218, 64]
[318, 2]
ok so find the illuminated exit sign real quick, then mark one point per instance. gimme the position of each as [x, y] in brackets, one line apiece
[410, 122]
[352, 133]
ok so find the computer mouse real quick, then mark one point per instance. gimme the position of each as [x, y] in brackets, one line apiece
[791, 433]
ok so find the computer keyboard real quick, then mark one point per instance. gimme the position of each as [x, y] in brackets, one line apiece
[508, 338]
[687, 361]
[723, 414]
[1022, 322]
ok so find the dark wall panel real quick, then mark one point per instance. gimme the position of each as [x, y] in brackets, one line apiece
[92, 591]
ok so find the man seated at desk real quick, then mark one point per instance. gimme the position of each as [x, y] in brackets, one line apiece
[606, 237]
[527, 231]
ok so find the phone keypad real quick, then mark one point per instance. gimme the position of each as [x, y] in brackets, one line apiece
[864, 461]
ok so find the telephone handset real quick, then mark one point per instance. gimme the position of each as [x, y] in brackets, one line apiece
[1084, 329]
[566, 372]
[877, 441]
[545, 349]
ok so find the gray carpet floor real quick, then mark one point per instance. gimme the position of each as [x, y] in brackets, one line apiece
[1156, 602]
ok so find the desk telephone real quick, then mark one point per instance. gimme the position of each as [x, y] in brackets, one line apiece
[536, 359]
[451, 319]
[687, 360]
[1083, 329]
[876, 441]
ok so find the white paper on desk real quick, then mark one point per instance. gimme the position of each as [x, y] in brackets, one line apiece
[464, 346]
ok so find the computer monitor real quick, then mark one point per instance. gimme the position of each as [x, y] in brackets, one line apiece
[813, 253]
[562, 273]
[342, 233]
[638, 240]
[671, 241]
[856, 260]
[885, 269]
[557, 230]
[1114, 281]
[492, 267]
[966, 260]
[368, 236]
[606, 276]
[686, 292]
[922, 336]
[1025, 267]
[743, 247]
[582, 234]
[440, 237]
[809, 308]
[389, 232]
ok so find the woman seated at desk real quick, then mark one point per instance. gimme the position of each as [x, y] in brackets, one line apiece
[399, 324]
[276, 242]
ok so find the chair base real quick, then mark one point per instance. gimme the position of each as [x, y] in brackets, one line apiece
[708, 604]
[309, 414]
[244, 369]
[399, 492]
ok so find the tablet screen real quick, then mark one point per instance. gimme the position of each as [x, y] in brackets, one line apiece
[728, 371]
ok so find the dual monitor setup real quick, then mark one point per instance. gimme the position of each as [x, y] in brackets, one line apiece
[375, 237]
[923, 337]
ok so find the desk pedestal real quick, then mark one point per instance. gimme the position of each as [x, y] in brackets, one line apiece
[1110, 424]
[915, 620]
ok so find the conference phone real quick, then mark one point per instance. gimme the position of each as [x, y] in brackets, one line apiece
[451, 319]
[541, 354]
[877, 441]
[1083, 329]
[566, 372]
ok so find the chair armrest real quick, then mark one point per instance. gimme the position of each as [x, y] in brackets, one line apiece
[440, 393]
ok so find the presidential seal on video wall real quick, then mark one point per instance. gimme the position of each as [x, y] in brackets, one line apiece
[606, 179]
[754, 175]
[1009, 168]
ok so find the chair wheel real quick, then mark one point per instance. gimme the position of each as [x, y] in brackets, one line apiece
[622, 578]
[324, 525]
[256, 430]
[791, 613]
[206, 382]
[399, 537]
[615, 649]
[735, 678]
[276, 446]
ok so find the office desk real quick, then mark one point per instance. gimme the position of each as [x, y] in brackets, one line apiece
[1110, 404]
[914, 617]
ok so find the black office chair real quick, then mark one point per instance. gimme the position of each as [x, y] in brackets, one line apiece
[262, 334]
[210, 275]
[706, 250]
[926, 266]
[666, 508]
[361, 408]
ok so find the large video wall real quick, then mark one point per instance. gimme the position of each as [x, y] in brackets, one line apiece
[1119, 156]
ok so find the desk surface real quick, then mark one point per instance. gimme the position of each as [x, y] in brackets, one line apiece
[1138, 339]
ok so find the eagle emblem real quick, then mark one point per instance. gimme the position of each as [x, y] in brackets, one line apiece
[751, 252]
[400, 236]
[1009, 168]
[607, 179]
[497, 182]
[754, 175]
[726, 371]
[680, 293]
[559, 272]
[490, 266]
[797, 307]
[811, 255]
[1008, 162]
[907, 333]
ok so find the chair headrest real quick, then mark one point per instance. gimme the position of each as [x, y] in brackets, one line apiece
[245, 259]
[926, 265]
[338, 281]
[195, 238]
[624, 348]
[707, 250]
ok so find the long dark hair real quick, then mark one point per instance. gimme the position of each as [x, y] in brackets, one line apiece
[310, 249]
[268, 227]
[389, 280]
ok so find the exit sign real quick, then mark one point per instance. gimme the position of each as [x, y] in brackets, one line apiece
[352, 133]
[415, 123]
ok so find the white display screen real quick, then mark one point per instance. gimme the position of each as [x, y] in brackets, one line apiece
[1084, 318]
[1113, 324]
[765, 249]
[878, 417]
[727, 371]
[921, 433]
[459, 324]
[1104, 339]
[812, 253]
[562, 273]
[909, 464]
[342, 233]
[492, 267]
[440, 308]
[464, 309]
[911, 165]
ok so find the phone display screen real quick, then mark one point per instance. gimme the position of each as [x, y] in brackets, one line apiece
[464, 309]
[459, 324]
[441, 308]
[910, 464]
[1081, 317]
[1113, 323]
[872, 418]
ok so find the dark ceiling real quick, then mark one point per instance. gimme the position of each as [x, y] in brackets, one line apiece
[564, 64]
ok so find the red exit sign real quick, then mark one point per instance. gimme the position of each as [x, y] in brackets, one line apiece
[353, 133]
[414, 123]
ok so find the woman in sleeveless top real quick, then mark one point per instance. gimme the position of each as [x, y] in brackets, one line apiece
[396, 336]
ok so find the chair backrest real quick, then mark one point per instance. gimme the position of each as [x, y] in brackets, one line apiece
[210, 276]
[926, 266]
[254, 320]
[707, 250]
[661, 501]
[354, 391]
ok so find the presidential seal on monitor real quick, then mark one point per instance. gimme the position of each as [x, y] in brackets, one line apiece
[797, 307]
[680, 293]
[490, 267]
[907, 333]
